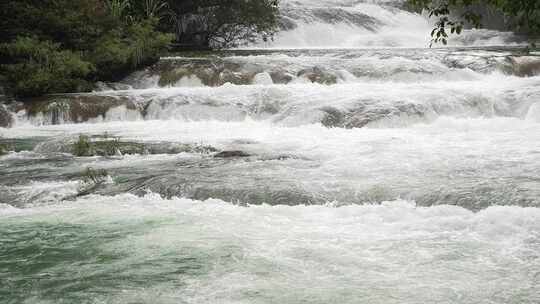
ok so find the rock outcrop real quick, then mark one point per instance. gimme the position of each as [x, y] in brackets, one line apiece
[6, 118]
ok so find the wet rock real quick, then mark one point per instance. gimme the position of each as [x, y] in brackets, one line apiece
[117, 147]
[281, 77]
[106, 145]
[231, 154]
[526, 65]
[6, 118]
[318, 75]
[361, 115]
[237, 78]
[333, 117]
[170, 77]
[72, 108]
[278, 157]
[101, 86]
[176, 148]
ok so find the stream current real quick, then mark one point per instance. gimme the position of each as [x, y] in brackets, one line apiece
[343, 162]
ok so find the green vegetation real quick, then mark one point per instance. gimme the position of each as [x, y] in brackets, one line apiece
[55, 46]
[83, 147]
[62, 46]
[91, 180]
[454, 15]
[34, 64]
[95, 177]
[105, 146]
[221, 23]
[4, 149]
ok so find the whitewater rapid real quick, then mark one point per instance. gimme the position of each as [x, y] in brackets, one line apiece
[342, 162]
[172, 251]
[365, 24]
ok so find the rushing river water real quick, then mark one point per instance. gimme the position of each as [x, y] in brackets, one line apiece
[344, 162]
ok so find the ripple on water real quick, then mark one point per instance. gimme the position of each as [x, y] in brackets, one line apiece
[126, 248]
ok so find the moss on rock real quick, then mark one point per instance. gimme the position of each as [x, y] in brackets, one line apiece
[105, 145]
[77, 108]
[3, 149]
[170, 77]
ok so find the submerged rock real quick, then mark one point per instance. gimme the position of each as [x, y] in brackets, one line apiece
[318, 75]
[526, 65]
[332, 117]
[106, 145]
[281, 77]
[231, 154]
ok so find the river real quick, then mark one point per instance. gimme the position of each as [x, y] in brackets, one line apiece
[342, 162]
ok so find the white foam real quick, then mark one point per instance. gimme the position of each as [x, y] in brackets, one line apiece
[262, 79]
[534, 113]
[38, 193]
[394, 250]
[189, 81]
[385, 26]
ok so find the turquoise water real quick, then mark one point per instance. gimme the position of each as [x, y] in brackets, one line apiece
[344, 162]
[126, 249]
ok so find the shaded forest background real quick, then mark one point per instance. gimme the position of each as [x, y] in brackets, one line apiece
[49, 46]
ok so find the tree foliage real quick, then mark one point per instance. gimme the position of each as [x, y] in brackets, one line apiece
[52, 46]
[222, 23]
[41, 66]
[525, 13]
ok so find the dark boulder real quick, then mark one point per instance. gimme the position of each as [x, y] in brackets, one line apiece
[231, 154]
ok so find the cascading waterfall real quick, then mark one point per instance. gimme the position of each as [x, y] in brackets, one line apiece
[341, 162]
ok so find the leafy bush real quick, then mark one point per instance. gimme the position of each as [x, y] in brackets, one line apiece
[224, 23]
[41, 67]
[61, 46]
[521, 15]
[83, 147]
[123, 50]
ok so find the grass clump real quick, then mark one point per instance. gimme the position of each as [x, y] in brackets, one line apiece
[83, 147]
[91, 180]
[105, 146]
[110, 147]
[4, 149]
[95, 177]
